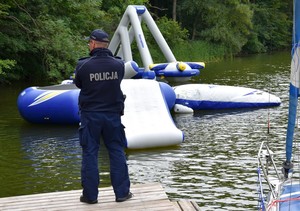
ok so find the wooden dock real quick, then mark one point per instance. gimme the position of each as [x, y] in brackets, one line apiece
[149, 197]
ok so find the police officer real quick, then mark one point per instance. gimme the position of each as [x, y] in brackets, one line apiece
[101, 103]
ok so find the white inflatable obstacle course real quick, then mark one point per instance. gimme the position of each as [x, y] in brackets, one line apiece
[130, 29]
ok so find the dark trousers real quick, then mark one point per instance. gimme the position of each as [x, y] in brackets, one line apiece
[109, 126]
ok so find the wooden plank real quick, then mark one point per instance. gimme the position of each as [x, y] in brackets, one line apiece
[187, 205]
[146, 197]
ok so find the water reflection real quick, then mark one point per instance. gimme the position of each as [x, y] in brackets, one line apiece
[52, 153]
[216, 165]
[44, 158]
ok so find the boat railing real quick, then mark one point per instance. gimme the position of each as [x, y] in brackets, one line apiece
[265, 160]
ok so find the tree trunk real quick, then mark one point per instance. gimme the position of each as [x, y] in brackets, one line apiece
[174, 10]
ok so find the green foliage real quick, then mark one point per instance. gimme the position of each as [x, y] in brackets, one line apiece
[45, 38]
[58, 47]
[173, 34]
[171, 31]
[199, 51]
[226, 23]
[42, 40]
[6, 68]
[272, 27]
[114, 12]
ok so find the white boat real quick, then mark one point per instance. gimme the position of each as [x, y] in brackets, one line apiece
[284, 184]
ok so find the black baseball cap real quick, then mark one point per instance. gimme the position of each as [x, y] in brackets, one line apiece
[98, 35]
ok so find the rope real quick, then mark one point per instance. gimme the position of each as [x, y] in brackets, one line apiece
[274, 202]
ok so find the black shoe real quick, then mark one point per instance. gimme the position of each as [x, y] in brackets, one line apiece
[85, 200]
[129, 196]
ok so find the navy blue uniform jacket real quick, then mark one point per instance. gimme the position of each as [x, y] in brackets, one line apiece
[99, 78]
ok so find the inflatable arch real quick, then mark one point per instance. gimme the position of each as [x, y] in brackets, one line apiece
[129, 29]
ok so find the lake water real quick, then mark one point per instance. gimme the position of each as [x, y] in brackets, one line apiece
[215, 166]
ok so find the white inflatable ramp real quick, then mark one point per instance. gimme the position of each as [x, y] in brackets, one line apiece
[147, 119]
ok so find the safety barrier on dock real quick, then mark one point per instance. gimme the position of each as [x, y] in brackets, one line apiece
[146, 197]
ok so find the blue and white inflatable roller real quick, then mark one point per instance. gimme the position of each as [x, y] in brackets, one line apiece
[57, 104]
[177, 71]
[210, 97]
[132, 70]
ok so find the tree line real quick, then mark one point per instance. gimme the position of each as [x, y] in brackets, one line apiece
[41, 40]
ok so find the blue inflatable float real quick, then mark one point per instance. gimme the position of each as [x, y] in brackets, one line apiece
[58, 104]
